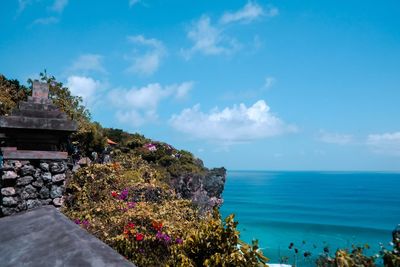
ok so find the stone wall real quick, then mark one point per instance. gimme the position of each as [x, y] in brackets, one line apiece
[26, 185]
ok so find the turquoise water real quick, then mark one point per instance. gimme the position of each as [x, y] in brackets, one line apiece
[334, 209]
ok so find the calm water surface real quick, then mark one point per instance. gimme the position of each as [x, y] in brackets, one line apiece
[334, 209]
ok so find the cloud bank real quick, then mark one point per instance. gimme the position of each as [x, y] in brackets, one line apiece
[232, 124]
[386, 143]
[147, 62]
[137, 106]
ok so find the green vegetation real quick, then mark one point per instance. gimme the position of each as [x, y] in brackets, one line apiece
[128, 206]
[11, 92]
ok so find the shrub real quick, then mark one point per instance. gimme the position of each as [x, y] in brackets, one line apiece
[129, 206]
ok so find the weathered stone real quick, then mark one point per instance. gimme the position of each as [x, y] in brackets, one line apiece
[8, 166]
[22, 205]
[33, 203]
[56, 191]
[24, 180]
[38, 183]
[8, 191]
[46, 201]
[44, 193]
[58, 201]
[58, 178]
[46, 177]
[44, 166]
[8, 211]
[27, 170]
[10, 201]
[29, 192]
[37, 173]
[9, 175]
[57, 167]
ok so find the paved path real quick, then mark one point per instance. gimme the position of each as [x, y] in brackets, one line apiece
[45, 237]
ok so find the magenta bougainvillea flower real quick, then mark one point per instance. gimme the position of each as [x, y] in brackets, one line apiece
[131, 205]
[150, 147]
[163, 237]
[124, 194]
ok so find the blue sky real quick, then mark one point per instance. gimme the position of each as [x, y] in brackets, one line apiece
[265, 85]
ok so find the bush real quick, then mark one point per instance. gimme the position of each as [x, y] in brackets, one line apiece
[129, 206]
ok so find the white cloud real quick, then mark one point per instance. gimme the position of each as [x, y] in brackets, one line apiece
[231, 125]
[133, 2]
[148, 62]
[335, 138]
[59, 5]
[386, 143]
[248, 13]
[87, 63]
[46, 21]
[182, 90]
[138, 105]
[85, 87]
[208, 39]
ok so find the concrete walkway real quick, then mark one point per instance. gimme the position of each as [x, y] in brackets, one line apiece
[45, 237]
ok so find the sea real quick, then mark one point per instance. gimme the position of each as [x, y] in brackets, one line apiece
[313, 210]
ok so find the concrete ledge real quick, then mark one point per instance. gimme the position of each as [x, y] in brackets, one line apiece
[44, 237]
[16, 122]
[33, 154]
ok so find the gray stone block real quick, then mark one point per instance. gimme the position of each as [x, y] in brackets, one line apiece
[58, 178]
[8, 211]
[56, 191]
[33, 203]
[27, 170]
[38, 183]
[8, 191]
[44, 193]
[57, 167]
[10, 201]
[24, 180]
[46, 177]
[29, 192]
[9, 175]
[44, 166]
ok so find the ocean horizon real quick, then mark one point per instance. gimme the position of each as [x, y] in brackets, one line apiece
[313, 210]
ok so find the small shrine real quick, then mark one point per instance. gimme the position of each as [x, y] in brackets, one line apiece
[37, 129]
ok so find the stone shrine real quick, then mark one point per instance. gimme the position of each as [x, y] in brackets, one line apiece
[37, 130]
[33, 150]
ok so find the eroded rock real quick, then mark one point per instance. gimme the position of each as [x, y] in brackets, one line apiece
[8, 191]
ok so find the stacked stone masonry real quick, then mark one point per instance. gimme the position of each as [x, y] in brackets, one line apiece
[25, 185]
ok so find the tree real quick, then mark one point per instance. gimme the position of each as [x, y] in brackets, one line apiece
[90, 134]
[11, 92]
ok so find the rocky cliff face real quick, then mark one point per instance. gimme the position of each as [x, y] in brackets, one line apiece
[204, 189]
